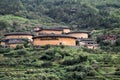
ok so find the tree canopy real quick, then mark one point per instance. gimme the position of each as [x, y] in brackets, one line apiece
[88, 14]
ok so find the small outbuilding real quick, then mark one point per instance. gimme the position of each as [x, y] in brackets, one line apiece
[87, 42]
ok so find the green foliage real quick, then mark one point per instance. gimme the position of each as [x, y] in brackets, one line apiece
[117, 71]
[77, 60]
[4, 24]
[19, 47]
[83, 13]
[46, 46]
[4, 50]
[75, 76]
[11, 23]
[57, 63]
[12, 6]
[117, 42]
[60, 63]
[19, 52]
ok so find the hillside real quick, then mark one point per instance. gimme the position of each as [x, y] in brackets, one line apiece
[58, 63]
[101, 17]
[85, 14]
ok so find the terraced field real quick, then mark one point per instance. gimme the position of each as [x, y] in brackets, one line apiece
[58, 63]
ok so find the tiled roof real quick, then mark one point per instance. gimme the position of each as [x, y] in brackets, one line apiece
[51, 29]
[58, 28]
[18, 33]
[53, 35]
[15, 40]
[78, 32]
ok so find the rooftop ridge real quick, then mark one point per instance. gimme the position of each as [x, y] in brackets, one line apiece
[53, 35]
[18, 33]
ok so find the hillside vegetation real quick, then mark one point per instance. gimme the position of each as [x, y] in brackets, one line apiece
[61, 62]
[58, 63]
[85, 14]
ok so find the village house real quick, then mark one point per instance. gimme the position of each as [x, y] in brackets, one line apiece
[79, 34]
[54, 39]
[25, 35]
[87, 42]
[12, 43]
[50, 31]
[53, 30]
[15, 38]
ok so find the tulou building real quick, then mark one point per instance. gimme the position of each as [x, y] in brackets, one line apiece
[49, 31]
[54, 30]
[54, 39]
[25, 35]
[16, 38]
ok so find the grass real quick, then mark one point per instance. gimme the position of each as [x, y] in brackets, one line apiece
[21, 20]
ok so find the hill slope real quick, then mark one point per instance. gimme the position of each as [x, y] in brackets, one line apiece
[58, 63]
[88, 14]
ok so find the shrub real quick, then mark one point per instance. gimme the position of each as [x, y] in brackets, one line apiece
[46, 46]
[79, 67]
[48, 55]
[16, 53]
[45, 77]
[21, 52]
[61, 46]
[91, 73]
[4, 50]
[80, 59]
[57, 56]
[105, 43]
[117, 73]
[46, 64]
[117, 42]
[19, 47]
[118, 69]
[75, 76]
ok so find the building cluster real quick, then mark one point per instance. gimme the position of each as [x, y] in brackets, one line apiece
[52, 36]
